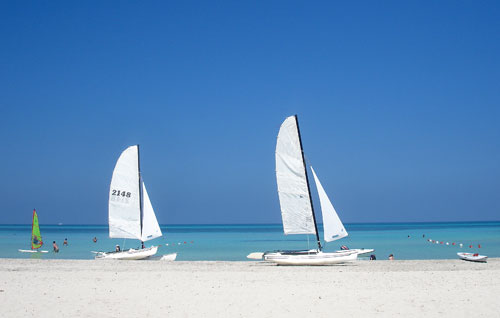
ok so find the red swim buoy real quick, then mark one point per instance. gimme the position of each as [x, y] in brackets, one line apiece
[453, 243]
[184, 242]
[478, 245]
[470, 246]
[441, 242]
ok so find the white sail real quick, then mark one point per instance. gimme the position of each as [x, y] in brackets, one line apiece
[333, 229]
[296, 209]
[124, 202]
[150, 226]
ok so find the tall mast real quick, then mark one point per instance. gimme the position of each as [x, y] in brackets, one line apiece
[140, 187]
[308, 187]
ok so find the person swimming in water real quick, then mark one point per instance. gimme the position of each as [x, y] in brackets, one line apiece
[94, 239]
[65, 243]
[56, 248]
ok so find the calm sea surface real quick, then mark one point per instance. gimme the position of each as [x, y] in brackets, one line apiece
[234, 242]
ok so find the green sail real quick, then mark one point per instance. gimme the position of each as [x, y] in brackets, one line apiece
[36, 238]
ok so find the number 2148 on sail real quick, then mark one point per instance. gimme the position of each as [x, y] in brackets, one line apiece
[121, 193]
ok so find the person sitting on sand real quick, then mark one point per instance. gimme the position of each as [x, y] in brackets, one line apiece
[65, 243]
[56, 248]
[117, 248]
[391, 257]
[94, 239]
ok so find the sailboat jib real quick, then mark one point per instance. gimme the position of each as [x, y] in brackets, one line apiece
[333, 229]
[36, 237]
[295, 203]
[124, 200]
[150, 227]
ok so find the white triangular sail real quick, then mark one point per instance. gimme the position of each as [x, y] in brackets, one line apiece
[150, 226]
[333, 229]
[124, 201]
[296, 209]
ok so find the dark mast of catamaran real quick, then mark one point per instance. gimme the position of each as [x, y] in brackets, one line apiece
[308, 186]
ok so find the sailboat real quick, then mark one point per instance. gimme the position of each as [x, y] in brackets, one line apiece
[131, 214]
[297, 210]
[36, 237]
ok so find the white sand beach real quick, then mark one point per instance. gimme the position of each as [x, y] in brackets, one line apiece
[84, 288]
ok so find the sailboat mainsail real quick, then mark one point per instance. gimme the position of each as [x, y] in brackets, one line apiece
[36, 237]
[291, 176]
[333, 229]
[131, 214]
[124, 197]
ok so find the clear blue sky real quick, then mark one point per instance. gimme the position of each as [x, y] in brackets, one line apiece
[398, 102]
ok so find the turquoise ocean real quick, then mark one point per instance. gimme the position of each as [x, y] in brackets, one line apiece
[234, 242]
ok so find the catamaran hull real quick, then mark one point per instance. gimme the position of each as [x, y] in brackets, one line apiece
[310, 259]
[131, 254]
[360, 251]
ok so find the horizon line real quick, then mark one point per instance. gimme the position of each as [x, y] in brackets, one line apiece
[215, 224]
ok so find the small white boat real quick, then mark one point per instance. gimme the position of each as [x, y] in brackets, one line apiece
[473, 257]
[131, 214]
[310, 258]
[169, 257]
[130, 254]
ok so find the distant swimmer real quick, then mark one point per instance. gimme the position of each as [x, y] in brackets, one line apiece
[95, 239]
[391, 257]
[56, 248]
[65, 243]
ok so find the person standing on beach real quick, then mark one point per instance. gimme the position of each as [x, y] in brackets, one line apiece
[56, 248]
[391, 257]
